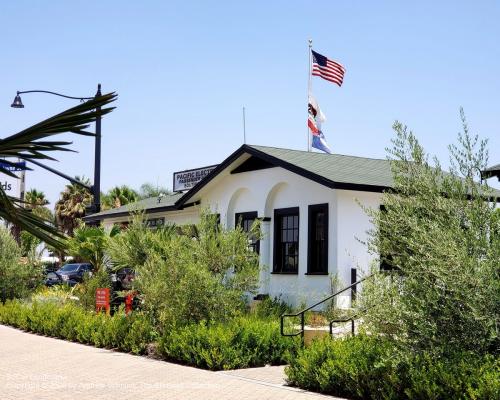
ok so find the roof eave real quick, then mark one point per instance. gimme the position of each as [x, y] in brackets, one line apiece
[100, 217]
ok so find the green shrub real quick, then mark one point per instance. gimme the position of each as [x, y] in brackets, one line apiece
[14, 314]
[188, 275]
[130, 333]
[58, 294]
[271, 308]
[461, 376]
[239, 343]
[351, 367]
[366, 367]
[17, 279]
[139, 335]
[86, 290]
[443, 295]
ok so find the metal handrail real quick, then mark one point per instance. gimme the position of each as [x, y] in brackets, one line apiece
[347, 319]
[302, 312]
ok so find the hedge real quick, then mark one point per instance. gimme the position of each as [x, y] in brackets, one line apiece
[130, 333]
[367, 367]
[240, 343]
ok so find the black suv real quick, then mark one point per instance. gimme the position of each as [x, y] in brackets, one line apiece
[70, 274]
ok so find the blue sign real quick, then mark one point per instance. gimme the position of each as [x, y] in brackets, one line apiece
[13, 167]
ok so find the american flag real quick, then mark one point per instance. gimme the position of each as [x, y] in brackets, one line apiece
[327, 69]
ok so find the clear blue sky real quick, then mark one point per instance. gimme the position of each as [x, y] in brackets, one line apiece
[184, 69]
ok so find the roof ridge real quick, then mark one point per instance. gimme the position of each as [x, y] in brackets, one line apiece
[257, 146]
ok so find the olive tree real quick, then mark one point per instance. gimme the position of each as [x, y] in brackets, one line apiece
[438, 235]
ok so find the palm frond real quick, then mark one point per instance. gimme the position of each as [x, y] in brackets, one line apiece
[10, 210]
[27, 145]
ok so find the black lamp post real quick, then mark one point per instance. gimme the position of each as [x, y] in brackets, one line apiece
[95, 189]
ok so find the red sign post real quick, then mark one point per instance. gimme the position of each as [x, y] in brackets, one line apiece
[102, 299]
[128, 302]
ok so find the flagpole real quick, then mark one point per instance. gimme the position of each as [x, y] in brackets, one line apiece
[244, 128]
[309, 85]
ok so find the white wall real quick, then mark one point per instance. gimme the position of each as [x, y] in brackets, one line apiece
[352, 227]
[189, 215]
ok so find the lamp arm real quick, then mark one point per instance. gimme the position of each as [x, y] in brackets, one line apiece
[69, 178]
[54, 93]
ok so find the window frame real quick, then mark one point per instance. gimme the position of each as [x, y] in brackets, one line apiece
[279, 213]
[312, 210]
[248, 215]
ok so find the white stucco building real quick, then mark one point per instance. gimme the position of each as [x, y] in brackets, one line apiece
[310, 206]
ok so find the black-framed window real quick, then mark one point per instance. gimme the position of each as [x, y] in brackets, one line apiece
[286, 240]
[386, 260]
[245, 220]
[354, 279]
[317, 248]
[154, 223]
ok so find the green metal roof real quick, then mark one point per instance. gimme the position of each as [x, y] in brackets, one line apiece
[151, 204]
[336, 167]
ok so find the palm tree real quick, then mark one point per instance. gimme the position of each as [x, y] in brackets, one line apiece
[119, 196]
[35, 198]
[89, 244]
[70, 208]
[35, 201]
[32, 144]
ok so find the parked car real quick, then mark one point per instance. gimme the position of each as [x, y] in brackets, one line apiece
[70, 274]
[52, 279]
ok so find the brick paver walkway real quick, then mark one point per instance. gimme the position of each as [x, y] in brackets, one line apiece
[37, 367]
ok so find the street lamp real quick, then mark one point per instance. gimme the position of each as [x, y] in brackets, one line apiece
[95, 189]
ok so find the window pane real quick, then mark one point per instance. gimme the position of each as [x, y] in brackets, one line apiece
[245, 221]
[286, 241]
[318, 239]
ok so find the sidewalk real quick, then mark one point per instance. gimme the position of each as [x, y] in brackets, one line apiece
[38, 368]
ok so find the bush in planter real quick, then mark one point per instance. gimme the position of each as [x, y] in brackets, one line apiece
[368, 367]
[351, 367]
[271, 308]
[239, 343]
[15, 314]
[86, 290]
[58, 294]
[17, 279]
[460, 376]
[130, 333]
[186, 275]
